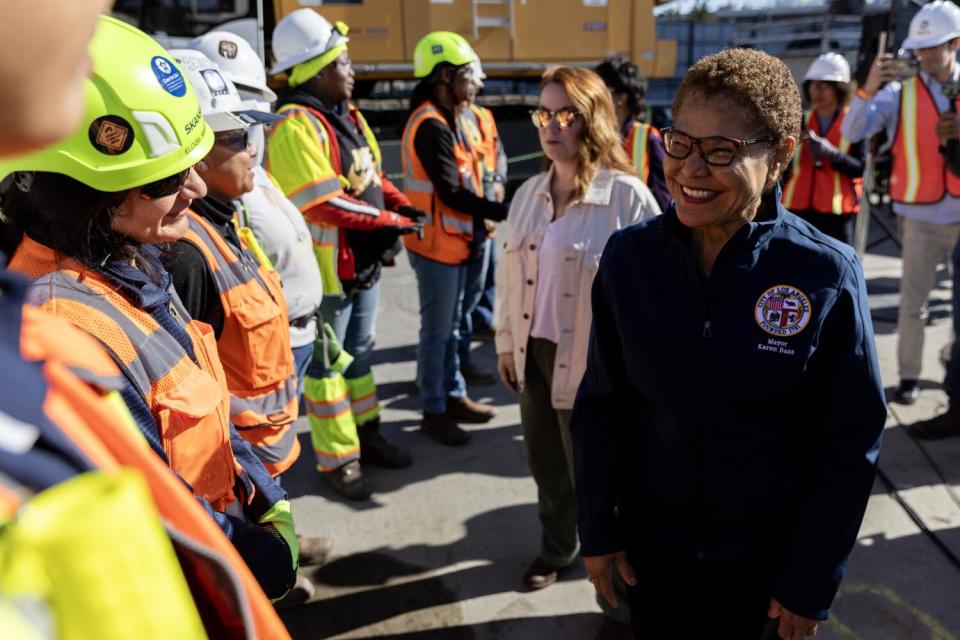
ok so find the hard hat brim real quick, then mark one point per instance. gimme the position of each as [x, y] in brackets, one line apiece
[293, 61]
[924, 43]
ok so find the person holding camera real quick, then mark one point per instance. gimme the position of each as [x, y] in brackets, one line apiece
[926, 196]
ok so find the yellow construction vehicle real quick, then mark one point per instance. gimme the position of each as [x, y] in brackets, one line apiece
[513, 37]
[516, 39]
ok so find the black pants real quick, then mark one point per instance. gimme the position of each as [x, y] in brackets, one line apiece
[678, 597]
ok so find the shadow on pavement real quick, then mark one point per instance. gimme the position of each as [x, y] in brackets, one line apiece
[494, 451]
[538, 628]
[503, 539]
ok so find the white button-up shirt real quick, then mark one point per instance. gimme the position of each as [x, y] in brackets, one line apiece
[613, 201]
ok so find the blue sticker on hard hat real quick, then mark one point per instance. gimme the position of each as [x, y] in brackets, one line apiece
[437, 49]
[169, 76]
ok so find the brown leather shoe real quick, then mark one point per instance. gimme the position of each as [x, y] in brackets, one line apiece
[314, 551]
[466, 410]
[443, 429]
[347, 480]
[541, 574]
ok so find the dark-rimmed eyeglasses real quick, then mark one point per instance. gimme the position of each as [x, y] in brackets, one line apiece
[717, 151]
[236, 139]
[165, 186]
[563, 117]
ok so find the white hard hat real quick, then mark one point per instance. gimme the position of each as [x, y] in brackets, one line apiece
[935, 23]
[237, 60]
[830, 67]
[220, 102]
[302, 35]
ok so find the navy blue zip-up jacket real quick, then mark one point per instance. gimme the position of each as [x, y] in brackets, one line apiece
[736, 417]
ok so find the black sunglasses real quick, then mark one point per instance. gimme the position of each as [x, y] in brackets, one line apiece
[165, 186]
[235, 139]
[717, 151]
[563, 117]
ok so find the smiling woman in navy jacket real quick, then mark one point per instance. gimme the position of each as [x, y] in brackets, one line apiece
[716, 468]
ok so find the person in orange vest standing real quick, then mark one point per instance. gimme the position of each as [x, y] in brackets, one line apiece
[483, 140]
[222, 282]
[925, 195]
[823, 183]
[441, 178]
[60, 388]
[641, 140]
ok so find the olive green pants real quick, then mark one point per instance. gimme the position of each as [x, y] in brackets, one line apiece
[546, 434]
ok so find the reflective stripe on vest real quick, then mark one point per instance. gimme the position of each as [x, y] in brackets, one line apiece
[307, 195]
[254, 346]
[447, 233]
[221, 582]
[325, 236]
[180, 393]
[821, 189]
[919, 174]
[636, 147]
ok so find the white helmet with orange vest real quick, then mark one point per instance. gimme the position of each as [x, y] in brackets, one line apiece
[829, 67]
[936, 23]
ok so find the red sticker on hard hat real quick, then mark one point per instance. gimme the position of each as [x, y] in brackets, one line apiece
[111, 135]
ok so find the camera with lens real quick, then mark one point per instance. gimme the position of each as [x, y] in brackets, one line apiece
[950, 89]
[951, 150]
[905, 67]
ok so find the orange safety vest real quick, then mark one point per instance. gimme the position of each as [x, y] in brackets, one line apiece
[482, 135]
[447, 234]
[636, 145]
[919, 174]
[228, 597]
[822, 189]
[254, 347]
[188, 399]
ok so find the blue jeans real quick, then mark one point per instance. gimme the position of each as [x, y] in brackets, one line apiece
[472, 293]
[301, 362]
[354, 320]
[951, 382]
[441, 298]
[483, 313]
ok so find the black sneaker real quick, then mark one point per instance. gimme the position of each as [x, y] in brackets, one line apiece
[444, 429]
[377, 451]
[347, 480]
[907, 392]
